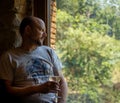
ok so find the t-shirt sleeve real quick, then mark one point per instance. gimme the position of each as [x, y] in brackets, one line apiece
[55, 60]
[6, 71]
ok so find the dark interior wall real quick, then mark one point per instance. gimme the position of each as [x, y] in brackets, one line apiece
[7, 34]
[12, 12]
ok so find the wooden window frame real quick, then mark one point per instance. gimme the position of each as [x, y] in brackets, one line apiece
[42, 10]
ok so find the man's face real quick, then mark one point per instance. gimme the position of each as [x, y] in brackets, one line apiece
[38, 32]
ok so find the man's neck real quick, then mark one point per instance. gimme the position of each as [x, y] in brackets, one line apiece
[28, 47]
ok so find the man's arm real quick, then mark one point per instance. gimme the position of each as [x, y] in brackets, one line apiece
[29, 90]
[63, 89]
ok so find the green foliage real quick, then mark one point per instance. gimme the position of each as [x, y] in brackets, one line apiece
[100, 10]
[88, 46]
[68, 6]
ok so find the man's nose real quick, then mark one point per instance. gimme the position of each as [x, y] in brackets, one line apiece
[44, 34]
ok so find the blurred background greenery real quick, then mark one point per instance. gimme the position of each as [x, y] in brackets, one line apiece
[88, 44]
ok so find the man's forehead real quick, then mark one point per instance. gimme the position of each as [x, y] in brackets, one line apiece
[39, 23]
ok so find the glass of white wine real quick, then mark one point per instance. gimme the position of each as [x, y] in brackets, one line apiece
[56, 79]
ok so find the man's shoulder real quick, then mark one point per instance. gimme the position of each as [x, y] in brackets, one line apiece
[44, 47]
[46, 50]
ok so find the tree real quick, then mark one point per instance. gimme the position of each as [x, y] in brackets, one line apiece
[88, 52]
[102, 11]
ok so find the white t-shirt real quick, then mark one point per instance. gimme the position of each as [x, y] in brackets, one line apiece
[30, 68]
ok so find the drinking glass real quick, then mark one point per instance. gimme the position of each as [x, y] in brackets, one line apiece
[56, 79]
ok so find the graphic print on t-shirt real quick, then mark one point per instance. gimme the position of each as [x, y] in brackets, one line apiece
[38, 70]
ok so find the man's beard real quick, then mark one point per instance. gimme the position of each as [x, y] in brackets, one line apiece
[37, 42]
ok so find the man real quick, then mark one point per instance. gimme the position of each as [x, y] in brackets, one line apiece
[26, 69]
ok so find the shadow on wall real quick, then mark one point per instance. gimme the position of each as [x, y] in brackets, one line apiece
[9, 34]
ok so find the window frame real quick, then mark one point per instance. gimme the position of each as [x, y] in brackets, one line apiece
[41, 9]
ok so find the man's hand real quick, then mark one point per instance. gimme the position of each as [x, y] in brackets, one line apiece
[49, 87]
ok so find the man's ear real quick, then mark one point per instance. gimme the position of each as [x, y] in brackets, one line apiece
[27, 29]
